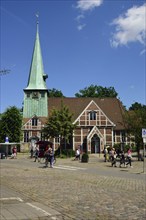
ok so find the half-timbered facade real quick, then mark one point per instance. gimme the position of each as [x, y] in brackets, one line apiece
[99, 122]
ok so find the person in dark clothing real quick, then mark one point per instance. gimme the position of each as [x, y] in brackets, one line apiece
[122, 159]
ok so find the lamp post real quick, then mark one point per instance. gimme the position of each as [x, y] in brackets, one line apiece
[2, 72]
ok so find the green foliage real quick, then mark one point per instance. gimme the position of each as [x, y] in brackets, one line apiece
[137, 106]
[97, 91]
[59, 124]
[10, 125]
[116, 146]
[68, 152]
[65, 152]
[55, 93]
[135, 120]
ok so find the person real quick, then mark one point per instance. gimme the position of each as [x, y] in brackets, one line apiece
[106, 156]
[51, 154]
[122, 159]
[31, 152]
[14, 153]
[77, 155]
[113, 158]
[129, 157]
[47, 156]
[36, 154]
[110, 154]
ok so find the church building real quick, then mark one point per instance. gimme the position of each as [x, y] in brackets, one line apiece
[99, 120]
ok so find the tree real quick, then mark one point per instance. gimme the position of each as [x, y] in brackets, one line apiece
[10, 125]
[55, 93]
[97, 91]
[59, 125]
[137, 106]
[135, 120]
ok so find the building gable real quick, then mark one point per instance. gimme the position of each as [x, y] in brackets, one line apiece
[93, 115]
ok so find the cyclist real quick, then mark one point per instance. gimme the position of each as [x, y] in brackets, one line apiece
[49, 155]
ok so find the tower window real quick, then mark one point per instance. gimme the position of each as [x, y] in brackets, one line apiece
[92, 115]
[28, 94]
[42, 94]
[34, 121]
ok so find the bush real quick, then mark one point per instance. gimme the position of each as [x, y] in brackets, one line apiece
[85, 158]
[64, 153]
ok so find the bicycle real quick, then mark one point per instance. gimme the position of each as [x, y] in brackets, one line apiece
[47, 160]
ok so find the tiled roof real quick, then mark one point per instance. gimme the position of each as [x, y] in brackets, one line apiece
[112, 107]
[42, 119]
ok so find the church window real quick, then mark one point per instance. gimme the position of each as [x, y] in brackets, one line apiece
[57, 140]
[42, 94]
[26, 136]
[28, 94]
[92, 115]
[34, 121]
[123, 136]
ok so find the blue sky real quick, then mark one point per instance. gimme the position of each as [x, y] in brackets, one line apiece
[99, 42]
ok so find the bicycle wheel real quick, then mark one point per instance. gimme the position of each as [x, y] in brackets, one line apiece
[46, 162]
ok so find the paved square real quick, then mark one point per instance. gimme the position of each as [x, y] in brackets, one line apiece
[72, 190]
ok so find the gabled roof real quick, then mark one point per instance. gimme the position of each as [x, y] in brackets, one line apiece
[42, 119]
[111, 107]
[37, 76]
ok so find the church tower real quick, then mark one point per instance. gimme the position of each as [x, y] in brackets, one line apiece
[36, 93]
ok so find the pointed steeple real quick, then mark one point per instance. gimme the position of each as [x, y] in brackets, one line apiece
[36, 92]
[37, 76]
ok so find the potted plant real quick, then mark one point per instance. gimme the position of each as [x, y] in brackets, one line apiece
[85, 158]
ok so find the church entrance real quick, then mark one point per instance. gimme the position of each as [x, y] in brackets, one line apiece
[95, 144]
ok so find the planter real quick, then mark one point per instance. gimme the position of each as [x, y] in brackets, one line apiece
[85, 158]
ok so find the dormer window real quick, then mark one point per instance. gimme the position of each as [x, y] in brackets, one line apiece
[34, 121]
[92, 115]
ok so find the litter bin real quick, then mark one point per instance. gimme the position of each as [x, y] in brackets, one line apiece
[2, 156]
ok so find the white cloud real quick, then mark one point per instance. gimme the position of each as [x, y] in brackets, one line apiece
[86, 5]
[130, 27]
[143, 51]
[81, 26]
[79, 17]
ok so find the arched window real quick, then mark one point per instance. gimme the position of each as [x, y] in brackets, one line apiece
[92, 115]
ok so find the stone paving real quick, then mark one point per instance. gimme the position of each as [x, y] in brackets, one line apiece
[79, 191]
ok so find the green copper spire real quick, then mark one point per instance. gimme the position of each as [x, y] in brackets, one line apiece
[36, 92]
[37, 76]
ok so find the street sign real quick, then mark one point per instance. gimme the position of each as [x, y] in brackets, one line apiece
[143, 132]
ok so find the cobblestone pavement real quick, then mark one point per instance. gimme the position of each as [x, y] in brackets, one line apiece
[79, 191]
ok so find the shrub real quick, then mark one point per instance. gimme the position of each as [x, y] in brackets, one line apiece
[85, 158]
[64, 153]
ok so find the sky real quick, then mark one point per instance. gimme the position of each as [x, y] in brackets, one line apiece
[83, 43]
